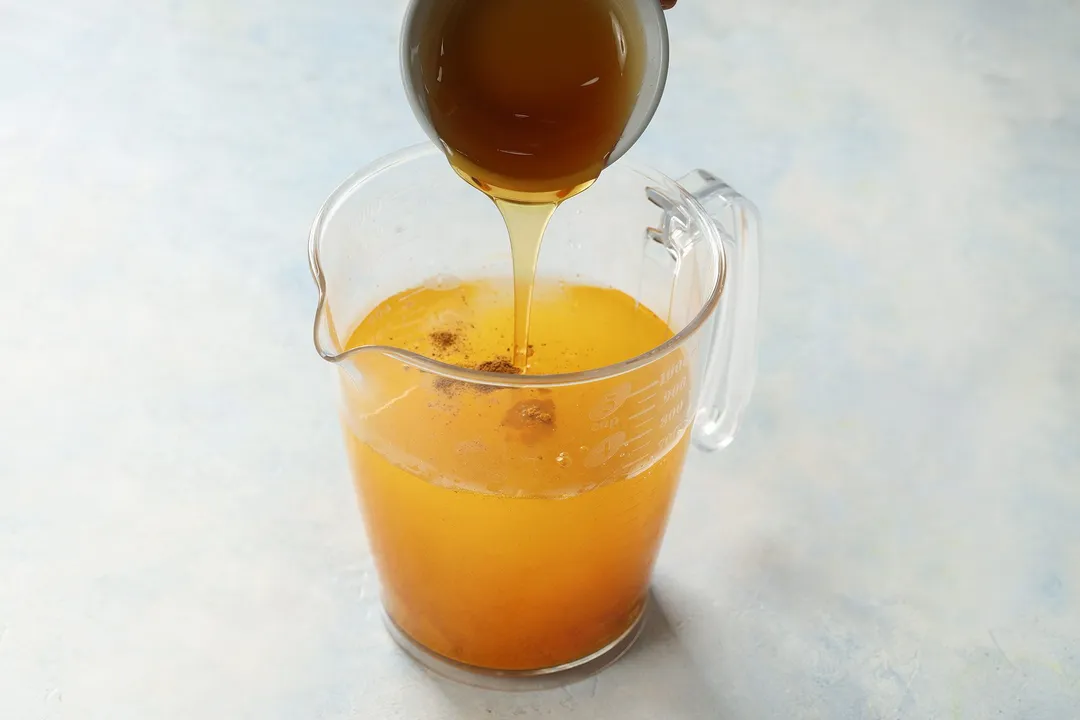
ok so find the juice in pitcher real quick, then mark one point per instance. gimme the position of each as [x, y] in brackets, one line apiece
[515, 445]
[515, 528]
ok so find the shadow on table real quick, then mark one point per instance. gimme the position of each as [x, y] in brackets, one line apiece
[657, 678]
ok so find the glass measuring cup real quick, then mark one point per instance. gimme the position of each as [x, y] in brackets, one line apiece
[515, 519]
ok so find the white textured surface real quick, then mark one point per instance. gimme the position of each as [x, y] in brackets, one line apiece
[896, 534]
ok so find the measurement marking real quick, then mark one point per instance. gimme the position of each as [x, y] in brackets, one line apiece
[638, 414]
[650, 386]
[646, 399]
[635, 439]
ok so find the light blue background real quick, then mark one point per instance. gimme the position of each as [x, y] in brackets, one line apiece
[895, 535]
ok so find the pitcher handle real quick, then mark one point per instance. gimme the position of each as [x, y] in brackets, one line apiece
[731, 366]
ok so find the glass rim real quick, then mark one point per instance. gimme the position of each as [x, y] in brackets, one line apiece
[356, 181]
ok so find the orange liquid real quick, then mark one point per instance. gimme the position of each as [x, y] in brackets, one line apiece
[515, 529]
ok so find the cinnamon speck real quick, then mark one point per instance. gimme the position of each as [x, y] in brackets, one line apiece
[443, 341]
[448, 386]
[451, 387]
[499, 365]
[531, 414]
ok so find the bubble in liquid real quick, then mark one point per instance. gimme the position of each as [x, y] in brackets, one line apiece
[564, 460]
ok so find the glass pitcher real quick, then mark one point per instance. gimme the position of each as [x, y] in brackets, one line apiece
[515, 519]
